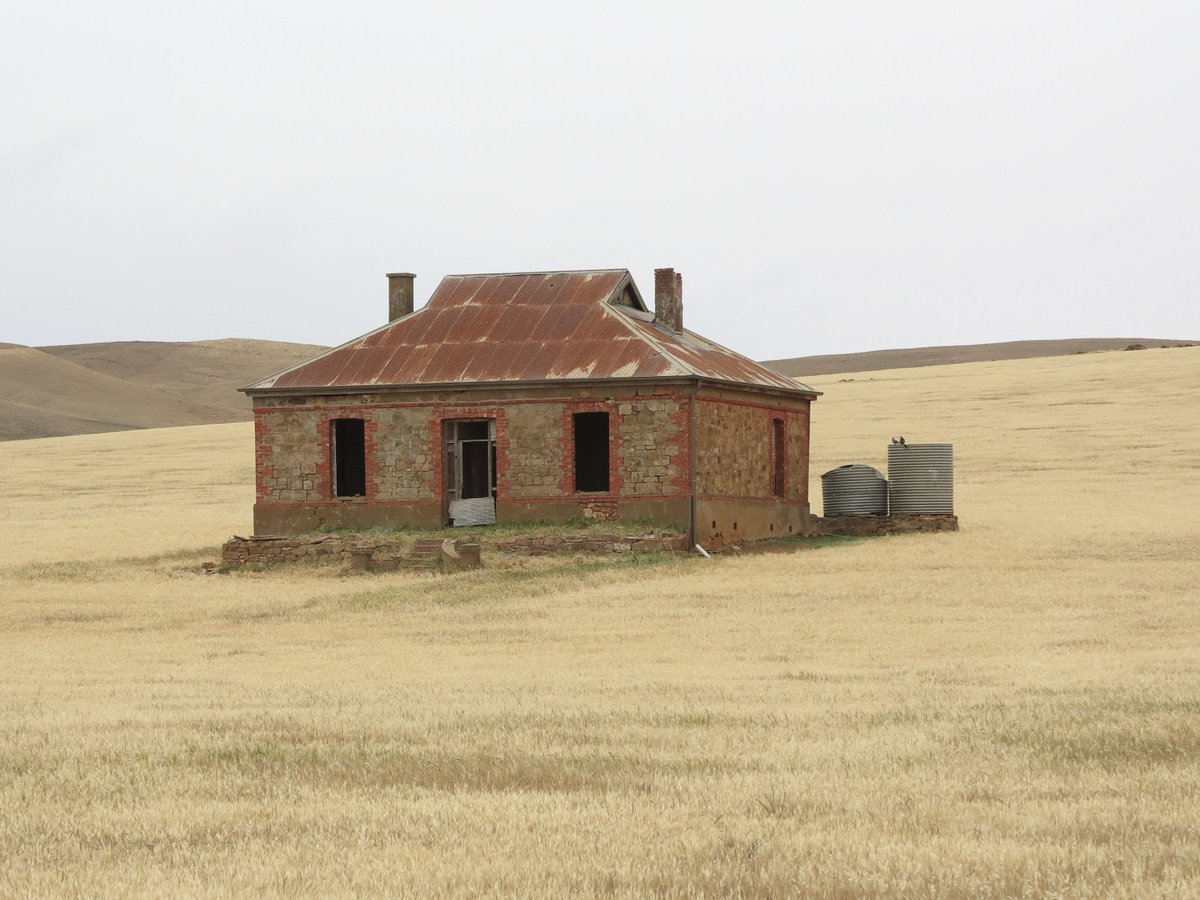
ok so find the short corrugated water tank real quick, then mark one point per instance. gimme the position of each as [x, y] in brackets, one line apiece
[854, 490]
[921, 479]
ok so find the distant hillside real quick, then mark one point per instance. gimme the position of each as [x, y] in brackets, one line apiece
[874, 360]
[88, 388]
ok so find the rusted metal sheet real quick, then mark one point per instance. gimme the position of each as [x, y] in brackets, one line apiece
[546, 326]
[709, 360]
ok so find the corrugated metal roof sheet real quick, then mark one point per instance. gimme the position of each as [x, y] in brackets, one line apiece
[536, 326]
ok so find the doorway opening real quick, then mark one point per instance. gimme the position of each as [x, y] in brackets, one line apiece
[470, 473]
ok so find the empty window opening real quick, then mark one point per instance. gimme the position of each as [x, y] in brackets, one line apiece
[591, 451]
[349, 458]
[778, 456]
[479, 430]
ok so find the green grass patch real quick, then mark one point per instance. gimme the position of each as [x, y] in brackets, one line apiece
[504, 529]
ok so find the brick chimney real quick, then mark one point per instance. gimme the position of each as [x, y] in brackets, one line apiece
[668, 298]
[400, 295]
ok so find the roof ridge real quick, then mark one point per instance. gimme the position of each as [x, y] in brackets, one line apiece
[536, 272]
[684, 368]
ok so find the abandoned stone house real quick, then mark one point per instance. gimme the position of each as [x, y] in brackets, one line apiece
[541, 396]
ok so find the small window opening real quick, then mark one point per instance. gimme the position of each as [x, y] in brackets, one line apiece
[474, 430]
[349, 458]
[778, 456]
[591, 451]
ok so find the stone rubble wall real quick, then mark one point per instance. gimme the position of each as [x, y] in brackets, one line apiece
[403, 463]
[266, 550]
[603, 510]
[539, 545]
[291, 465]
[532, 459]
[735, 452]
[653, 449]
[866, 526]
[384, 554]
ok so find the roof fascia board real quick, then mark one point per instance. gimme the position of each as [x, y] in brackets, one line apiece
[801, 391]
[469, 386]
[476, 386]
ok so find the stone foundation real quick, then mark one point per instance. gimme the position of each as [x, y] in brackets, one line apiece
[539, 545]
[267, 549]
[362, 554]
[603, 509]
[380, 554]
[867, 526]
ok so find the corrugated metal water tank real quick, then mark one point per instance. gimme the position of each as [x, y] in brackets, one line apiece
[921, 478]
[854, 490]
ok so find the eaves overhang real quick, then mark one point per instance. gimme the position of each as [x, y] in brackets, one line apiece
[802, 391]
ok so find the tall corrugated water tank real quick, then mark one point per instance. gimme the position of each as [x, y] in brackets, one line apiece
[854, 490]
[921, 479]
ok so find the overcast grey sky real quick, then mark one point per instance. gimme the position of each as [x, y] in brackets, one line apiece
[828, 177]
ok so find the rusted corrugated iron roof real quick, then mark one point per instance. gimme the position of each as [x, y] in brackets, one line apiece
[524, 327]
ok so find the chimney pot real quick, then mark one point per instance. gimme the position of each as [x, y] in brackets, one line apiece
[400, 294]
[668, 299]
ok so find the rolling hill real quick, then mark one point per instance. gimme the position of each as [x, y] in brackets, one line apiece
[874, 360]
[89, 388]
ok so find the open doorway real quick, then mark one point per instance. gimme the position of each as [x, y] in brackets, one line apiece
[470, 473]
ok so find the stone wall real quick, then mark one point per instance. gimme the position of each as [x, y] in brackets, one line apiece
[531, 458]
[653, 447]
[257, 551]
[796, 479]
[403, 464]
[290, 454]
[363, 553]
[585, 542]
[598, 508]
[650, 437]
[735, 447]
[866, 526]
[380, 553]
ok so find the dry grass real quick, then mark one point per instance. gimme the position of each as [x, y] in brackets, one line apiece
[1009, 710]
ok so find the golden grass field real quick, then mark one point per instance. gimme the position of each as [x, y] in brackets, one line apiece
[1013, 709]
